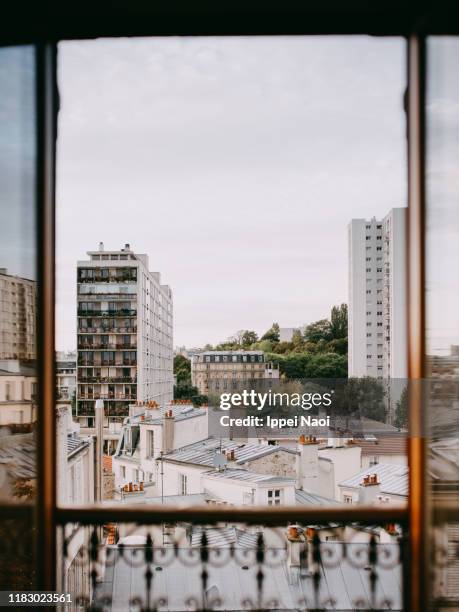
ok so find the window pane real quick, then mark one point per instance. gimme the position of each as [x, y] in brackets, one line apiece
[264, 179]
[18, 383]
[443, 304]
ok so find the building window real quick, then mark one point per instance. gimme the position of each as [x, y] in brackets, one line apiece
[274, 497]
[9, 394]
[347, 499]
[123, 472]
[374, 460]
[183, 484]
[151, 443]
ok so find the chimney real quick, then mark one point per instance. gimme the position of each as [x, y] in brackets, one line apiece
[307, 463]
[369, 489]
[168, 432]
[101, 246]
[127, 247]
[296, 553]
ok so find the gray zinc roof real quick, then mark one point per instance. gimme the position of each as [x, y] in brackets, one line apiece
[393, 478]
[246, 476]
[180, 412]
[307, 498]
[203, 452]
[344, 585]
[75, 444]
[223, 537]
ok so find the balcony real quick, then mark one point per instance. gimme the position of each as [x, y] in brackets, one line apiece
[109, 329]
[120, 278]
[121, 312]
[107, 379]
[112, 346]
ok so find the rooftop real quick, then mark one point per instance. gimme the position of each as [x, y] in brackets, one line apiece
[247, 476]
[176, 584]
[155, 416]
[223, 537]
[203, 452]
[393, 478]
[307, 498]
[75, 444]
[386, 445]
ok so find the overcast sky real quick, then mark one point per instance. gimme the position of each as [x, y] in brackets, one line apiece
[235, 163]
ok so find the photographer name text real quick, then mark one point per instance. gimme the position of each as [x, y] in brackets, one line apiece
[274, 422]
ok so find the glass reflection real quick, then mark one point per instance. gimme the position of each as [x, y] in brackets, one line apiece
[18, 382]
[442, 304]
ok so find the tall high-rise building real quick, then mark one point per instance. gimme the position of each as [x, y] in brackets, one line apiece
[377, 297]
[125, 350]
[17, 318]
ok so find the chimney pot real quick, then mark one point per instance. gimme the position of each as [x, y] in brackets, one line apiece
[101, 246]
[293, 533]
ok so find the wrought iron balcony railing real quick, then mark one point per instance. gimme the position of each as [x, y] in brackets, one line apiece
[231, 559]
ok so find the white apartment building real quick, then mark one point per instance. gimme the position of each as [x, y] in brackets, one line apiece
[17, 317]
[377, 296]
[66, 379]
[18, 393]
[125, 350]
[384, 483]
[246, 488]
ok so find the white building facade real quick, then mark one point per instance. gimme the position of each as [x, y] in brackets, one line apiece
[125, 349]
[377, 296]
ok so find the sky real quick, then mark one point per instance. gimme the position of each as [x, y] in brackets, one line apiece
[235, 163]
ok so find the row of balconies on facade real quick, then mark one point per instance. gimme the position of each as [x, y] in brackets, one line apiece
[116, 346]
[117, 396]
[105, 362]
[121, 312]
[114, 275]
[107, 379]
[108, 329]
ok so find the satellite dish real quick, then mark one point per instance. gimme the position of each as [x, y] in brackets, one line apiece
[219, 460]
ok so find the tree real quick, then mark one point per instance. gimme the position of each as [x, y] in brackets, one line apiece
[363, 396]
[319, 330]
[182, 369]
[338, 345]
[297, 339]
[273, 333]
[249, 338]
[187, 391]
[338, 322]
[326, 365]
[401, 411]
